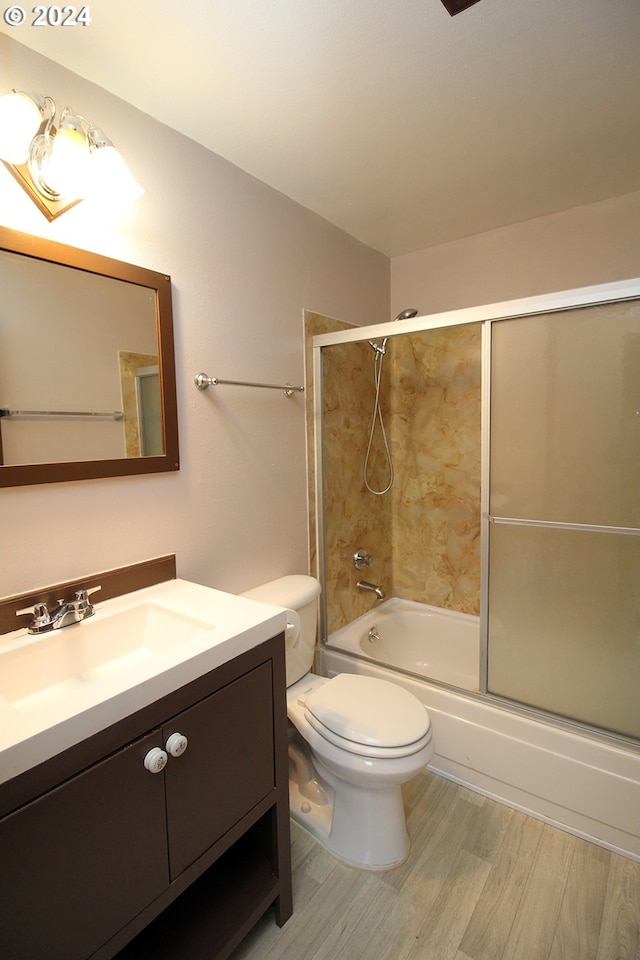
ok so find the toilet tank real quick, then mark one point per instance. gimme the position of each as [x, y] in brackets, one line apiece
[298, 594]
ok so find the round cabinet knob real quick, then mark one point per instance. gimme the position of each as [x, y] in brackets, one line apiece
[156, 760]
[176, 744]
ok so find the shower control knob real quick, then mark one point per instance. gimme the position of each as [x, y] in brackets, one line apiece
[362, 559]
[176, 744]
[156, 760]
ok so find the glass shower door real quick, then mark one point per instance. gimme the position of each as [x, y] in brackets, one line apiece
[564, 504]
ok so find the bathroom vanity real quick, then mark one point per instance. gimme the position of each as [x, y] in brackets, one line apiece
[164, 833]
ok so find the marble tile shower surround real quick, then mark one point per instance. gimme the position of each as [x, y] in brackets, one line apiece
[129, 363]
[435, 499]
[425, 532]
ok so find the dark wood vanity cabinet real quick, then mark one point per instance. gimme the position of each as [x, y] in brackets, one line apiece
[224, 773]
[60, 855]
[111, 860]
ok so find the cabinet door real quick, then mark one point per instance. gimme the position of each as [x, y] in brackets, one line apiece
[80, 861]
[227, 768]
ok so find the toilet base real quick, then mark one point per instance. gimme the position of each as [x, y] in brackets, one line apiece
[364, 827]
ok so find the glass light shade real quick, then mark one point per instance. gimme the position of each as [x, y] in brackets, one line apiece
[20, 119]
[67, 164]
[109, 177]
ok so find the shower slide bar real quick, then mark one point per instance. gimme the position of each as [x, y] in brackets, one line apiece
[60, 414]
[202, 381]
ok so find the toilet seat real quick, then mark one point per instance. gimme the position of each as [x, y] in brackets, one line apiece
[368, 717]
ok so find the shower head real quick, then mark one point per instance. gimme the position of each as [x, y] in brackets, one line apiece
[403, 315]
[406, 314]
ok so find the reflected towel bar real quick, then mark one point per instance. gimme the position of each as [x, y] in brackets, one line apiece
[60, 414]
[202, 381]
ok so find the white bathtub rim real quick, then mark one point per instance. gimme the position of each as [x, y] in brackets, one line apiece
[461, 673]
[390, 604]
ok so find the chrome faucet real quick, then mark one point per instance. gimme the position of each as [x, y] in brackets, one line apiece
[66, 612]
[363, 585]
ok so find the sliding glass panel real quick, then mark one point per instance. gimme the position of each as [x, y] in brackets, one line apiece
[565, 416]
[563, 627]
[564, 623]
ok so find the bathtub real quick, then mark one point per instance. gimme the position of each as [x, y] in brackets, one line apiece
[419, 639]
[578, 781]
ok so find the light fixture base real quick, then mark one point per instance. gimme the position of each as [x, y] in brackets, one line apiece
[50, 208]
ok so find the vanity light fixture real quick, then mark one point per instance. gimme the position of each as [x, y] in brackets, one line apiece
[60, 164]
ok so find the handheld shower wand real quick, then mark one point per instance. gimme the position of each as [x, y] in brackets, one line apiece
[380, 350]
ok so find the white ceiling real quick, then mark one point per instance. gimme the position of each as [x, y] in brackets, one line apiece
[402, 125]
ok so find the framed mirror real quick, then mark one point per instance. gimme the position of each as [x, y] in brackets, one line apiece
[87, 365]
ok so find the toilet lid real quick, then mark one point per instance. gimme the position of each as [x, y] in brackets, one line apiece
[369, 711]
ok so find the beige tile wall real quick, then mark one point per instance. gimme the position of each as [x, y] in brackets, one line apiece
[435, 427]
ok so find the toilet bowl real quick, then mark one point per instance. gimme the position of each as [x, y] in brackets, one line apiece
[353, 742]
[367, 823]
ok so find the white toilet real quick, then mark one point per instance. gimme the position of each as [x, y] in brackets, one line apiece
[353, 741]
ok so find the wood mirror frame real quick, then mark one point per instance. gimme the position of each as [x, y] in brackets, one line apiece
[53, 252]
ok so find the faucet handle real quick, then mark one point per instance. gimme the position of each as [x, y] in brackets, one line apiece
[82, 605]
[38, 610]
[362, 559]
[41, 621]
[82, 596]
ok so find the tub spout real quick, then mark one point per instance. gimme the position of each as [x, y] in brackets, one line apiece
[363, 585]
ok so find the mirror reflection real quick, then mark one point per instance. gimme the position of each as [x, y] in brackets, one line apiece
[79, 378]
[87, 379]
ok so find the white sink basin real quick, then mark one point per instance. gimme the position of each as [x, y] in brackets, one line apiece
[58, 688]
[53, 665]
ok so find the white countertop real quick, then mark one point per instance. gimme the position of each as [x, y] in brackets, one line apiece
[39, 727]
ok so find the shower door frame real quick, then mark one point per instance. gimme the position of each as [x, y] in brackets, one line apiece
[486, 315]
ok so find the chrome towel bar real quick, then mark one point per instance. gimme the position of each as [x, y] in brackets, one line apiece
[202, 381]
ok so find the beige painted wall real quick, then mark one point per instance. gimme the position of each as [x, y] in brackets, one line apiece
[599, 243]
[245, 262]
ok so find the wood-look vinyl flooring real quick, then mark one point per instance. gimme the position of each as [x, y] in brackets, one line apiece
[483, 882]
